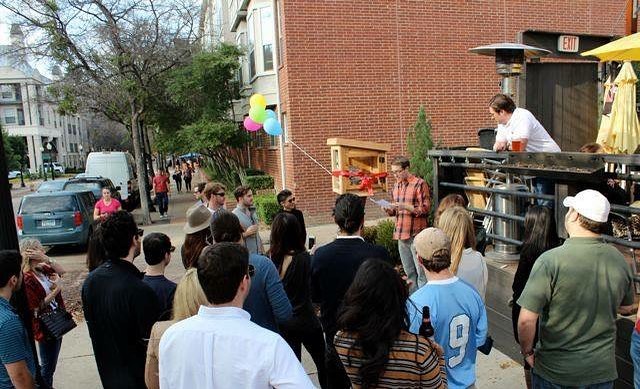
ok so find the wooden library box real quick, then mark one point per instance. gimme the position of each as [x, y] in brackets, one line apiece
[358, 167]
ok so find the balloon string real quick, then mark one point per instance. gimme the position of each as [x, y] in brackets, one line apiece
[310, 157]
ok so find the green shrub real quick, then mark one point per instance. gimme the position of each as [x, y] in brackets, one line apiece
[267, 207]
[384, 238]
[253, 172]
[370, 233]
[259, 182]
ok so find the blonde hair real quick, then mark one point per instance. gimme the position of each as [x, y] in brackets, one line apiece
[458, 225]
[28, 244]
[450, 200]
[189, 296]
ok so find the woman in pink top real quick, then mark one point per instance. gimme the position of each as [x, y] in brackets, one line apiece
[106, 205]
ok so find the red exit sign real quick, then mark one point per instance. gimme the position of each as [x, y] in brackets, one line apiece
[568, 43]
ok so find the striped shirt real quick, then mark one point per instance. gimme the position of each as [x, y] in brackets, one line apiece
[414, 191]
[14, 343]
[413, 362]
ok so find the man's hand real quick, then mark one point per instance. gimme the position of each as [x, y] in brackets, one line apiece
[404, 206]
[530, 360]
[500, 146]
[252, 230]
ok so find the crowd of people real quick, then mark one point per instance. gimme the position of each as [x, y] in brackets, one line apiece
[241, 314]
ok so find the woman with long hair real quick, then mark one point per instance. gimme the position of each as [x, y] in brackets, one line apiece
[294, 266]
[95, 249]
[42, 285]
[374, 343]
[450, 200]
[539, 236]
[187, 300]
[467, 263]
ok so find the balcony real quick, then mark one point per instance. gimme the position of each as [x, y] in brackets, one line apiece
[239, 15]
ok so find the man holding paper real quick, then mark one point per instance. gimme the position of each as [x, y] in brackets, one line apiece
[411, 204]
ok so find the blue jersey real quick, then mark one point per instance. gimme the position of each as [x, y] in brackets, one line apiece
[459, 319]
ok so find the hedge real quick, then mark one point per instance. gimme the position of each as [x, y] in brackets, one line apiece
[382, 234]
[253, 172]
[259, 182]
[267, 207]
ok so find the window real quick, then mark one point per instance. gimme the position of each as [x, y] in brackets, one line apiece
[250, 47]
[273, 141]
[266, 24]
[7, 92]
[10, 116]
[278, 6]
[20, 116]
[69, 128]
[74, 129]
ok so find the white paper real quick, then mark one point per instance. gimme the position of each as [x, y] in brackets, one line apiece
[383, 203]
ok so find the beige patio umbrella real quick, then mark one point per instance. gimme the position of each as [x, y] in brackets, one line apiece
[604, 132]
[624, 132]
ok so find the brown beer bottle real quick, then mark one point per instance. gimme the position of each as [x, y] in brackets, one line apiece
[426, 329]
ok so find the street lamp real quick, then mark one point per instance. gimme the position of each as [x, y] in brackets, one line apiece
[49, 147]
[80, 147]
[44, 171]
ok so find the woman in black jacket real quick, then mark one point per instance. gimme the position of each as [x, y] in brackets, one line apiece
[294, 265]
[539, 236]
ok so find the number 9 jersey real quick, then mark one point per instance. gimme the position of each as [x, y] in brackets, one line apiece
[459, 318]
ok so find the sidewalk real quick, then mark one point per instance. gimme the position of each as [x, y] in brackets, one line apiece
[77, 367]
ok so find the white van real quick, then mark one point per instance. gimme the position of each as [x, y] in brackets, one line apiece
[119, 167]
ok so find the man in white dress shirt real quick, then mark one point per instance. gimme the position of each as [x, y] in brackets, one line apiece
[220, 347]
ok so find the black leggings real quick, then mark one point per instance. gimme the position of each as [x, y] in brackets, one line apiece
[187, 184]
[313, 340]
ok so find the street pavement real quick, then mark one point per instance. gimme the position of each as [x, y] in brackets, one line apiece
[77, 367]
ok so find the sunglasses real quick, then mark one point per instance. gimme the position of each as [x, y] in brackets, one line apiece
[172, 249]
[140, 232]
[252, 271]
[291, 200]
[221, 194]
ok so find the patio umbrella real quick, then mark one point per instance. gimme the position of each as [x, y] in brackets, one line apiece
[623, 49]
[604, 132]
[624, 134]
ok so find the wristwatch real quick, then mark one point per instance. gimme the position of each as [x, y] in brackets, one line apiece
[51, 261]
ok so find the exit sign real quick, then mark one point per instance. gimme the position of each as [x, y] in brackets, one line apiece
[568, 43]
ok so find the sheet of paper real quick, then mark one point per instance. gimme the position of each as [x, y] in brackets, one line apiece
[382, 202]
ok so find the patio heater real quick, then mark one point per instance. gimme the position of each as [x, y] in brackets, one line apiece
[510, 59]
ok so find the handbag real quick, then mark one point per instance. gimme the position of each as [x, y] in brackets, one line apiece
[57, 323]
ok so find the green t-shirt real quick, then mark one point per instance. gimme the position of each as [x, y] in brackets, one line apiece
[576, 289]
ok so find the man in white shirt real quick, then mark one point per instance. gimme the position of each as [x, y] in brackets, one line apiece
[520, 125]
[220, 347]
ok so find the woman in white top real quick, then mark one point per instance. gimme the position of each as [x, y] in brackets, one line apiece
[467, 263]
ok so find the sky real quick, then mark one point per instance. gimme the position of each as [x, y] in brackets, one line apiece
[5, 27]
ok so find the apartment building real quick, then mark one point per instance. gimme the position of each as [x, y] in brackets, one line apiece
[28, 110]
[361, 69]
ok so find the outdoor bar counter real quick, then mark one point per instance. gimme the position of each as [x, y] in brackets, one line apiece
[495, 183]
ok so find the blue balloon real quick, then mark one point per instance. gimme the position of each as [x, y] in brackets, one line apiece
[271, 114]
[272, 127]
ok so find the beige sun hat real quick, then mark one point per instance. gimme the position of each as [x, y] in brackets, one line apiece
[198, 218]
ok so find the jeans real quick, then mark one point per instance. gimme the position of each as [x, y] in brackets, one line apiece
[162, 198]
[48, 351]
[635, 357]
[410, 264]
[538, 382]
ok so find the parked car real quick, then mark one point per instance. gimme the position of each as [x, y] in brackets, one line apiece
[57, 218]
[94, 184]
[51, 186]
[119, 167]
[56, 166]
[15, 174]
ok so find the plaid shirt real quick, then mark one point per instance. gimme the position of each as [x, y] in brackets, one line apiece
[414, 191]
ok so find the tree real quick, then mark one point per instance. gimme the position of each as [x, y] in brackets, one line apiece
[106, 134]
[419, 142]
[114, 53]
[193, 114]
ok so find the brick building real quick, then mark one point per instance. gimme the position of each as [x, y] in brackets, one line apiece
[361, 69]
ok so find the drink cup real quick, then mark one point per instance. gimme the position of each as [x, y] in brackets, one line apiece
[516, 145]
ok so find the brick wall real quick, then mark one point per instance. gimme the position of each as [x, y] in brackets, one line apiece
[361, 69]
